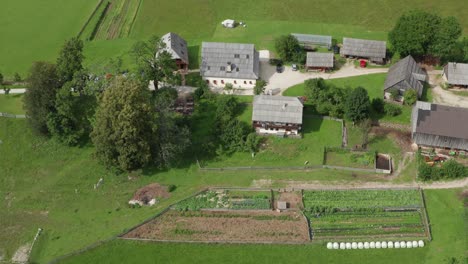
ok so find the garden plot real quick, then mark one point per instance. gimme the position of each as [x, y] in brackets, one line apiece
[232, 226]
[227, 199]
[365, 213]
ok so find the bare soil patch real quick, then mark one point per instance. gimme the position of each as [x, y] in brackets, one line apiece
[150, 192]
[293, 199]
[232, 226]
[402, 138]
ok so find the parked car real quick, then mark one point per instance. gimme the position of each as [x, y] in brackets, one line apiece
[294, 67]
[279, 68]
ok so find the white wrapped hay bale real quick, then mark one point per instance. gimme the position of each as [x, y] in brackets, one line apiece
[421, 243]
[390, 244]
[336, 245]
[378, 244]
[384, 244]
[342, 245]
[409, 244]
[366, 245]
[354, 245]
[360, 245]
[330, 245]
[397, 244]
[402, 244]
[348, 245]
[372, 245]
[415, 244]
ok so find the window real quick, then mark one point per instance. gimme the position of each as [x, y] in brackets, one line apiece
[236, 56]
[222, 81]
[235, 82]
[237, 69]
[222, 68]
[209, 68]
[245, 82]
[207, 81]
[215, 82]
[250, 82]
[247, 56]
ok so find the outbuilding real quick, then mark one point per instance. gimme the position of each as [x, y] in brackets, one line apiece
[373, 50]
[456, 74]
[320, 61]
[308, 41]
[177, 47]
[403, 76]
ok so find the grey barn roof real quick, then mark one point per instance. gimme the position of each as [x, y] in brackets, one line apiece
[318, 59]
[456, 73]
[405, 74]
[373, 49]
[176, 46]
[313, 39]
[277, 109]
[440, 126]
[218, 58]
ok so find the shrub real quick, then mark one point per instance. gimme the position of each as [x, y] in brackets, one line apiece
[17, 77]
[378, 105]
[453, 169]
[171, 188]
[392, 110]
[394, 94]
[410, 97]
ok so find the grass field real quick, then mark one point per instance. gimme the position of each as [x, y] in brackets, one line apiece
[12, 104]
[445, 211]
[35, 30]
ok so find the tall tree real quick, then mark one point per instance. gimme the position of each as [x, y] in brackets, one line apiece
[287, 46]
[414, 33]
[446, 37]
[123, 133]
[39, 99]
[260, 87]
[70, 59]
[154, 62]
[357, 105]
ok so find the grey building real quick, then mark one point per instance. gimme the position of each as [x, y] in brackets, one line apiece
[405, 75]
[440, 126]
[234, 63]
[456, 74]
[278, 115]
[374, 50]
[177, 47]
[313, 41]
[319, 60]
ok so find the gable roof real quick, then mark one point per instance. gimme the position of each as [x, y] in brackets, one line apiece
[176, 46]
[277, 109]
[440, 125]
[456, 73]
[319, 59]
[373, 49]
[313, 39]
[229, 60]
[405, 74]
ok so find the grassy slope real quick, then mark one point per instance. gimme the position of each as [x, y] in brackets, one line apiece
[444, 208]
[12, 103]
[44, 184]
[35, 30]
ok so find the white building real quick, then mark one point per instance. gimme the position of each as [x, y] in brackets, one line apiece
[234, 63]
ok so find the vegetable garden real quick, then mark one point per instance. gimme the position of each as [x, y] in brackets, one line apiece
[365, 213]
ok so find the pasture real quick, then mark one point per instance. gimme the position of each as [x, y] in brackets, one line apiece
[12, 104]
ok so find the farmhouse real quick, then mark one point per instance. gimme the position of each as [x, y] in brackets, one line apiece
[319, 61]
[373, 50]
[403, 76]
[439, 126]
[177, 47]
[277, 115]
[313, 41]
[456, 74]
[234, 63]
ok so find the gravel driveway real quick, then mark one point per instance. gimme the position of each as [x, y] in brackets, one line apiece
[442, 96]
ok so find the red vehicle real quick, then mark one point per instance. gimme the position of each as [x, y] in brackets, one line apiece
[363, 63]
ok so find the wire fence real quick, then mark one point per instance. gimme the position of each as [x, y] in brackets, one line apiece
[8, 115]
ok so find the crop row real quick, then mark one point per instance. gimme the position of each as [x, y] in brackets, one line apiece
[213, 200]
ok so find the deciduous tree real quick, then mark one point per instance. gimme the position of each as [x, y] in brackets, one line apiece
[357, 105]
[70, 59]
[260, 87]
[287, 46]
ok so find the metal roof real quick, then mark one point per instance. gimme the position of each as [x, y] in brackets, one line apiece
[277, 109]
[405, 74]
[440, 125]
[313, 39]
[318, 59]
[456, 73]
[373, 49]
[176, 46]
[229, 60]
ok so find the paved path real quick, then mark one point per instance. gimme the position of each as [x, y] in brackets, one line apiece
[14, 91]
[442, 96]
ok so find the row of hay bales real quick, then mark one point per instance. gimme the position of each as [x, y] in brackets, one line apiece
[370, 245]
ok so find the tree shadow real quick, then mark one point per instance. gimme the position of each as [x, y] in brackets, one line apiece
[194, 55]
[311, 124]
[425, 96]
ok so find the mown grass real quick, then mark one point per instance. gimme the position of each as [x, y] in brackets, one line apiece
[444, 207]
[35, 30]
[12, 104]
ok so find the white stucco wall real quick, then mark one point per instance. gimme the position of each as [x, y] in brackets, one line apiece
[273, 131]
[237, 83]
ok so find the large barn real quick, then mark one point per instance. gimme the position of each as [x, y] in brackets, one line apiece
[440, 126]
[277, 115]
[374, 50]
[177, 47]
[234, 63]
[403, 76]
[456, 74]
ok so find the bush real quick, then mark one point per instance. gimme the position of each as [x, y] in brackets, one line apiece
[394, 94]
[410, 97]
[453, 169]
[286, 47]
[17, 77]
[378, 105]
[171, 188]
[392, 110]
